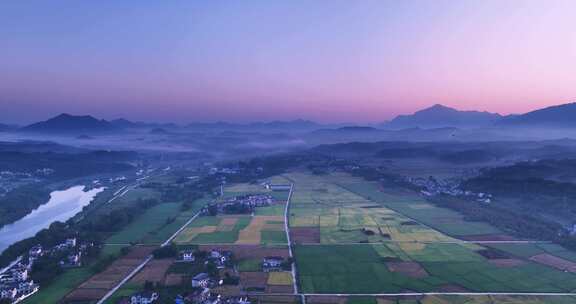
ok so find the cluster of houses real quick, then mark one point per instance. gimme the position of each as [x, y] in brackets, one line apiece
[202, 284]
[10, 180]
[15, 281]
[239, 204]
[272, 264]
[432, 186]
[225, 170]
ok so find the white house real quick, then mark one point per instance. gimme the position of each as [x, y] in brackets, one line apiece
[145, 297]
[201, 280]
[187, 256]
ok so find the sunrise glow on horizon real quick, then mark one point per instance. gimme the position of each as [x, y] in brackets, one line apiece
[329, 61]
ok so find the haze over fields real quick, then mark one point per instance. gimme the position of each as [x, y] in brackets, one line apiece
[288, 152]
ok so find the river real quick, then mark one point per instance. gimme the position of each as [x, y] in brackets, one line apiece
[62, 205]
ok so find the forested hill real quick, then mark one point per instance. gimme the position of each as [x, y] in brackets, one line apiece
[65, 165]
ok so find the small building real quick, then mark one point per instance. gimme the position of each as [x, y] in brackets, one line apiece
[145, 297]
[26, 288]
[8, 292]
[272, 263]
[237, 300]
[220, 258]
[72, 260]
[187, 256]
[201, 280]
[71, 242]
[19, 273]
[35, 251]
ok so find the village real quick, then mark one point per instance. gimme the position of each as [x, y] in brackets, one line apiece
[212, 272]
[431, 186]
[244, 204]
[16, 283]
[215, 269]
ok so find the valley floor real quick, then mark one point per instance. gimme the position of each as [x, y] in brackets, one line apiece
[354, 241]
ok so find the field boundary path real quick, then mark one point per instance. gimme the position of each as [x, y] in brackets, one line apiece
[290, 253]
[543, 294]
[457, 241]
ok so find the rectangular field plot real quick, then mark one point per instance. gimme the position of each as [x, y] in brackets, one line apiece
[382, 268]
[412, 205]
[234, 229]
[342, 216]
[155, 225]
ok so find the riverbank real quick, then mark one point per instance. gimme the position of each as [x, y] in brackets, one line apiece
[61, 206]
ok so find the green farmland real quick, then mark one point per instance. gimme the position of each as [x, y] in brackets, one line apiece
[374, 240]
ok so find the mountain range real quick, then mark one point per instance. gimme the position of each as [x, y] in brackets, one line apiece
[555, 116]
[437, 116]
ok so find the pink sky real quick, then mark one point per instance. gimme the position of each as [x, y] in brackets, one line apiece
[330, 61]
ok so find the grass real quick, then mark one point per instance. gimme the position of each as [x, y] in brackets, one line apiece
[60, 287]
[361, 300]
[344, 269]
[125, 291]
[270, 210]
[152, 220]
[273, 237]
[250, 265]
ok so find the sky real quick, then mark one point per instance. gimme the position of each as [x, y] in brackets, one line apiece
[324, 60]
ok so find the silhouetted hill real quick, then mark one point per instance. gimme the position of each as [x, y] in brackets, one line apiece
[124, 123]
[66, 123]
[442, 116]
[357, 129]
[555, 116]
[128, 124]
[158, 131]
[296, 125]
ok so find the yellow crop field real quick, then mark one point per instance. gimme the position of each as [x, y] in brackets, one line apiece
[280, 278]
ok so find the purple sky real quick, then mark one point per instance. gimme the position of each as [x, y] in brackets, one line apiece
[330, 61]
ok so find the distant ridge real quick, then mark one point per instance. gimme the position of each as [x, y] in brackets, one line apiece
[66, 123]
[128, 124]
[290, 125]
[563, 115]
[357, 129]
[438, 116]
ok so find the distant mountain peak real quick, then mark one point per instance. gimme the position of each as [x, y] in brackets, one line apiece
[68, 123]
[437, 108]
[438, 115]
[561, 115]
[440, 106]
